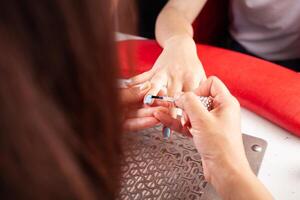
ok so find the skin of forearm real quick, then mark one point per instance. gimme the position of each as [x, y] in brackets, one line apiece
[170, 24]
[246, 187]
[237, 183]
[176, 19]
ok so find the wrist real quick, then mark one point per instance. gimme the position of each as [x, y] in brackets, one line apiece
[183, 40]
[240, 183]
[226, 174]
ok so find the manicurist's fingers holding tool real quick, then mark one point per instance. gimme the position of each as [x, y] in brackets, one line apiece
[178, 67]
[137, 115]
[217, 137]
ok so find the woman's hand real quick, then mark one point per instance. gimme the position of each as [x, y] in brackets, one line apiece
[217, 136]
[136, 116]
[178, 68]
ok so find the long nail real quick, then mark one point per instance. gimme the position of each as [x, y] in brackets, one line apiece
[148, 100]
[166, 132]
[123, 83]
[128, 82]
[143, 86]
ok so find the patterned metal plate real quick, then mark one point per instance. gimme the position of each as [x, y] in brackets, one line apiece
[156, 168]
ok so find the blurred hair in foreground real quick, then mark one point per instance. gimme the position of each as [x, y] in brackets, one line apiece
[59, 127]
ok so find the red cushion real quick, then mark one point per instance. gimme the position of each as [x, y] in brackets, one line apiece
[265, 88]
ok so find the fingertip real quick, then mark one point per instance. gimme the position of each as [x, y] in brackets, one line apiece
[217, 86]
[148, 100]
[123, 83]
[144, 86]
[166, 132]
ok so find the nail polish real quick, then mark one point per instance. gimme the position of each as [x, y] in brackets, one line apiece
[166, 132]
[148, 99]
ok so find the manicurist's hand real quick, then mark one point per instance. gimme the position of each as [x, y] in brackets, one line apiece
[217, 136]
[136, 116]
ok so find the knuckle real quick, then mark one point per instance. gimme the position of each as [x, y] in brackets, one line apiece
[158, 78]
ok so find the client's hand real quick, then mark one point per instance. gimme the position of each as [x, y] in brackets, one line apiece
[177, 69]
[217, 137]
[136, 116]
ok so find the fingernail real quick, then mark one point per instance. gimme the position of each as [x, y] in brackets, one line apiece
[148, 100]
[166, 132]
[123, 83]
[143, 86]
[128, 81]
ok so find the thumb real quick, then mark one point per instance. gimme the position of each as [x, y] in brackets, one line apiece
[195, 110]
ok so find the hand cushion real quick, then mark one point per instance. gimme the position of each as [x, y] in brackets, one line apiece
[263, 87]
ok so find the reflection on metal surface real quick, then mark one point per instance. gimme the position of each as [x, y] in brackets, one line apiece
[155, 168]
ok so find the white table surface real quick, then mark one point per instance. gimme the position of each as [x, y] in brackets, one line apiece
[280, 169]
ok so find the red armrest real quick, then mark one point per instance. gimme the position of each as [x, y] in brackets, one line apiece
[265, 88]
